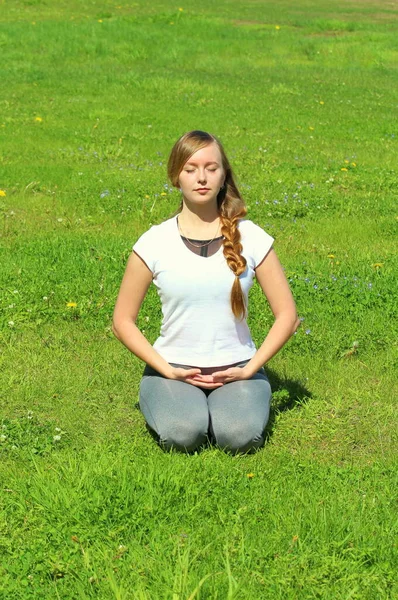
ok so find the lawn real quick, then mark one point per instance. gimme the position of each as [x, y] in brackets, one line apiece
[304, 97]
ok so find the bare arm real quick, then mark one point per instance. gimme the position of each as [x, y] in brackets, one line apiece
[136, 281]
[274, 284]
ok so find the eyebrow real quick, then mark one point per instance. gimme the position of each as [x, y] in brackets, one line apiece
[212, 162]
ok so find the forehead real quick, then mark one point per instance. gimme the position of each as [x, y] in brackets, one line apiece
[209, 153]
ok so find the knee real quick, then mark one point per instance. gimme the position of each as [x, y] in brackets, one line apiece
[240, 437]
[182, 436]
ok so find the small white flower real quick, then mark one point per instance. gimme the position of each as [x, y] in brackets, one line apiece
[3, 438]
[11, 323]
[15, 292]
[60, 220]
[45, 298]
[56, 438]
[30, 414]
[58, 429]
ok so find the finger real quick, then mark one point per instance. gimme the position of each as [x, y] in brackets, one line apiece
[190, 372]
[203, 384]
[221, 374]
[207, 378]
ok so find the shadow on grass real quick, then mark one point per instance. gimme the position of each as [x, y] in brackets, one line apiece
[287, 394]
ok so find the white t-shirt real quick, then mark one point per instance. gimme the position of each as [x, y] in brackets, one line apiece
[199, 328]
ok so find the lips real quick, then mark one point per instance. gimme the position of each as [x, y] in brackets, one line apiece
[202, 190]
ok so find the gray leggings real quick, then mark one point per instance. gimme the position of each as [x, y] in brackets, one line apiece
[234, 416]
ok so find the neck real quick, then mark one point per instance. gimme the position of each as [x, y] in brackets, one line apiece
[198, 216]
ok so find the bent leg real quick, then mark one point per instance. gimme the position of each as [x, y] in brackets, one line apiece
[176, 411]
[239, 413]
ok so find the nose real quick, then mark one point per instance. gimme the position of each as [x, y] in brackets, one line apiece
[201, 175]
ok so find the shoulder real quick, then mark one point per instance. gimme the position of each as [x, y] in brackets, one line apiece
[157, 237]
[158, 231]
[248, 229]
[256, 241]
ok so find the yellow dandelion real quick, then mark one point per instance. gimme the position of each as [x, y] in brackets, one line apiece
[343, 169]
[71, 304]
[337, 262]
[353, 164]
[331, 256]
[146, 196]
[378, 265]
[99, 20]
[163, 194]
[321, 102]
[347, 162]
[3, 194]
[181, 9]
[277, 26]
[38, 119]
[312, 129]
[250, 475]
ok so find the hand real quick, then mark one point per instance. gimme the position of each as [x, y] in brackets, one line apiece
[194, 377]
[231, 374]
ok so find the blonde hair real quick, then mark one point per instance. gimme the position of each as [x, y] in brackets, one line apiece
[231, 207]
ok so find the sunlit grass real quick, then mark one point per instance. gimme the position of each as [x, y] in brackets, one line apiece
[303, 97]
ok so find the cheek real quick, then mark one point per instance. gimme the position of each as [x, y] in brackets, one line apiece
[183, 181]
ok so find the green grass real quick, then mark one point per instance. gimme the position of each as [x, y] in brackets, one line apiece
[303, 96]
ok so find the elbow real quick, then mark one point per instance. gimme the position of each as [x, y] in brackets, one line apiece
[117, 326]
[115, 331]
[121, 325]
[292, 322]
[297, 324]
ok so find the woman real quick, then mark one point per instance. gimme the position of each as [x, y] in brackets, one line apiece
[204, 375]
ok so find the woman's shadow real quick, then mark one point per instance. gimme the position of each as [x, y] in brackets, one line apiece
[287, 394]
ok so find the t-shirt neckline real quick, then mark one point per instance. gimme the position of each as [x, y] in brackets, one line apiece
[186, 249]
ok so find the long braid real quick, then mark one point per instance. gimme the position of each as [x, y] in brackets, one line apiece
[232, 247]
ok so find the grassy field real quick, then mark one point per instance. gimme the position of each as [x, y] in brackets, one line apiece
[304, 97]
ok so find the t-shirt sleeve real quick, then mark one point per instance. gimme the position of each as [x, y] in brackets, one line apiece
[260, 242]
[145, 248]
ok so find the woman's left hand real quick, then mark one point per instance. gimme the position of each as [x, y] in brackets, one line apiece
[229, 375]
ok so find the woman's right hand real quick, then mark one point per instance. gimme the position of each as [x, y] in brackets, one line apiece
[194, 377]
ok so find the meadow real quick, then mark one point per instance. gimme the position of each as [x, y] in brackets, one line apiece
[304, 97]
